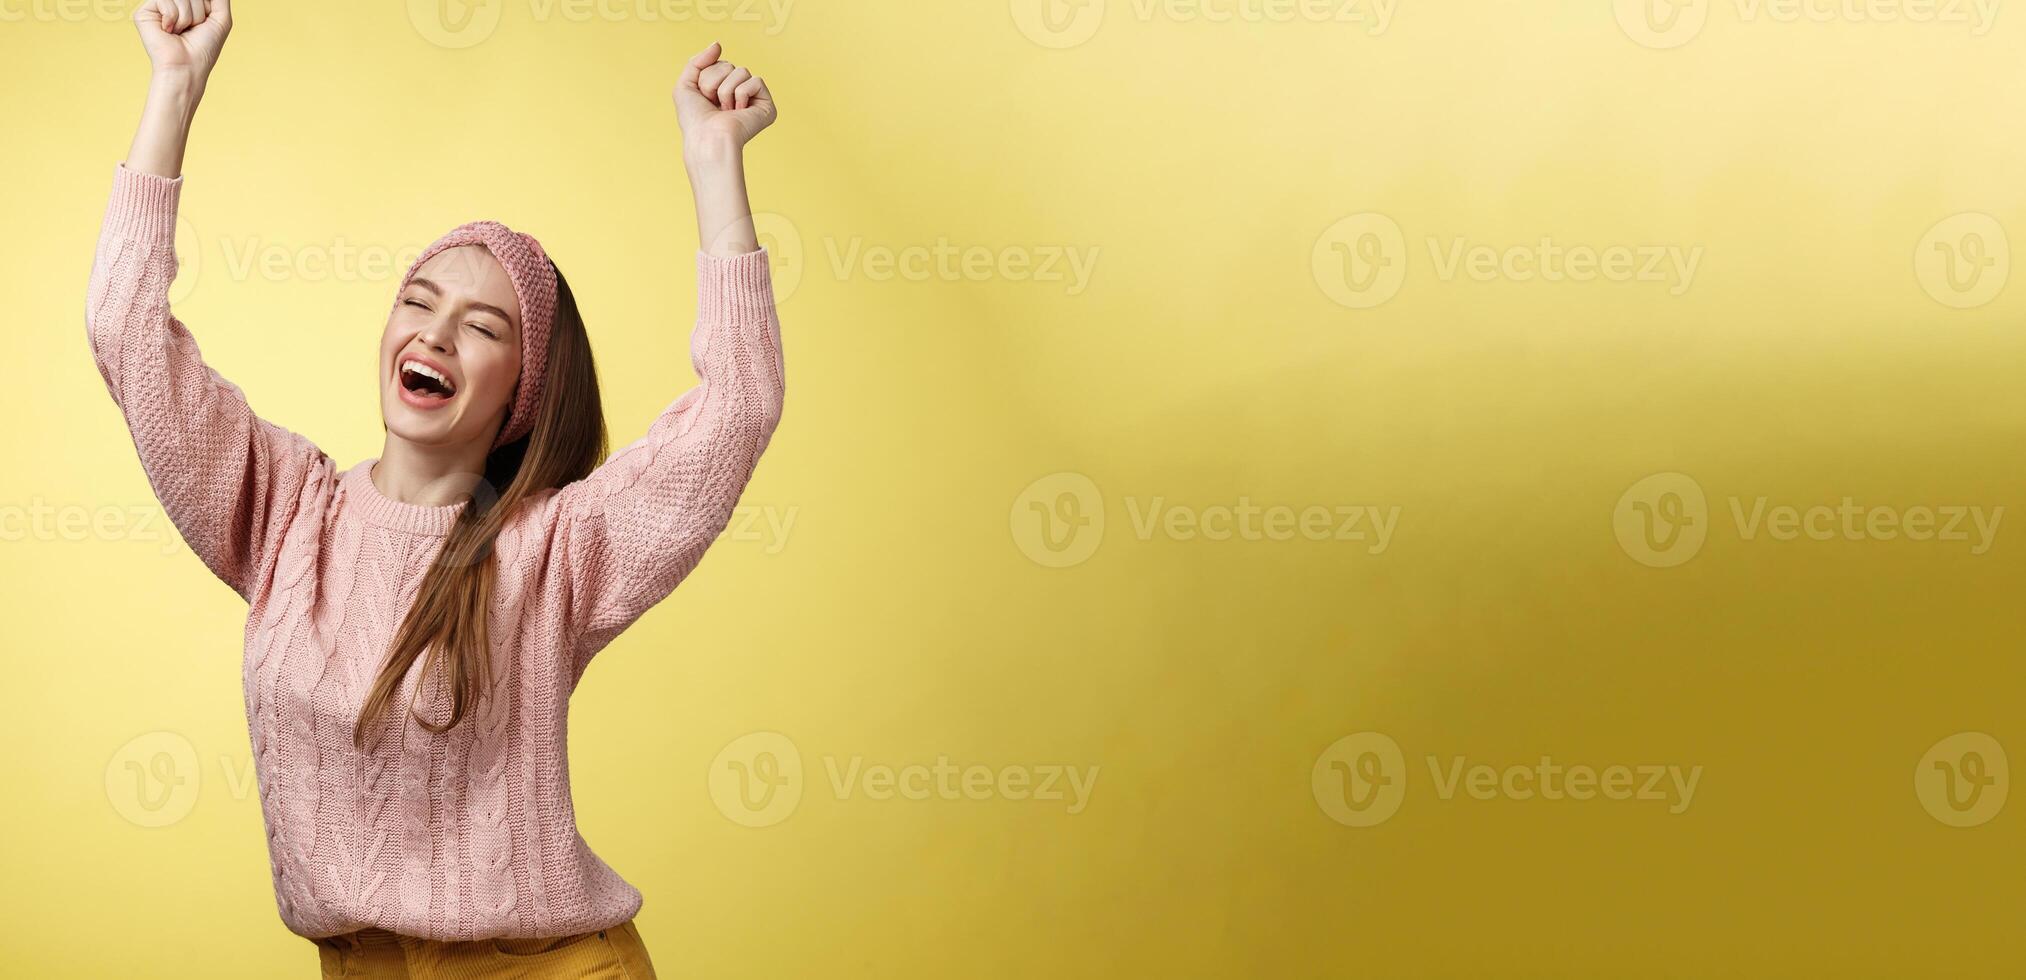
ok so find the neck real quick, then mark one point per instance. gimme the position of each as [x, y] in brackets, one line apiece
[431, 476]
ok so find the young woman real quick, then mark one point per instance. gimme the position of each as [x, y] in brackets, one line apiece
[418, 621]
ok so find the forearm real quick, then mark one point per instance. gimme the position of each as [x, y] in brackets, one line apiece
[226, 478]
[637, 526]
[717, 179]
[165, 125]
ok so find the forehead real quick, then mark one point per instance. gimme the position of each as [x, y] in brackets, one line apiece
[470, 272]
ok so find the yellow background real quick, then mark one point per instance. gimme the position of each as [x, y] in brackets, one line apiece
[900, 620]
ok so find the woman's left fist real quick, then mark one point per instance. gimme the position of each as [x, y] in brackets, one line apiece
[721, 105]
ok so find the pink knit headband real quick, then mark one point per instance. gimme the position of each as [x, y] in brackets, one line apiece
[534, 282]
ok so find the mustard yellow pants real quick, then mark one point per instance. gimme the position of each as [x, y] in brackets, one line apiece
[608, 954]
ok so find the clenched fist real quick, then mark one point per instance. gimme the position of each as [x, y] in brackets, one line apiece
[183, 37]
[721, 106]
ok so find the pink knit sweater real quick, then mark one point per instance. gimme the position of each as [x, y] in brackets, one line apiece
[470, 834]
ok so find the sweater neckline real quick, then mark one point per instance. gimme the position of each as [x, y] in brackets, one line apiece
[378, 508]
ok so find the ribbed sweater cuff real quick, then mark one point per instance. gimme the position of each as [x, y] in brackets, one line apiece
[143, 205]
[739, 289]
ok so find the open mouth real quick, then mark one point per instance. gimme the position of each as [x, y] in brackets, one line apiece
[425, 381]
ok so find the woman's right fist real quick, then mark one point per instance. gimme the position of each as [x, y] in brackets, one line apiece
[183, 37]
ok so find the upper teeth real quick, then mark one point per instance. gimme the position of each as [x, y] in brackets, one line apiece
[423, 369]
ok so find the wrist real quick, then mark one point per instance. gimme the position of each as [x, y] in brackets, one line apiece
[177, 82]
[179, 94]
[713, 156]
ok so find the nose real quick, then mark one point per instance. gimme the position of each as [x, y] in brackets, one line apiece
[437, 332]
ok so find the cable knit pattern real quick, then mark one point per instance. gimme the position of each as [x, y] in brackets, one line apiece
[470, 834]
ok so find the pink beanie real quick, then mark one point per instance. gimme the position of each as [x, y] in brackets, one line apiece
[534, 280]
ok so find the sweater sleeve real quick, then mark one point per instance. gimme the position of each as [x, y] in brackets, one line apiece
[626, 535]
[227, 479]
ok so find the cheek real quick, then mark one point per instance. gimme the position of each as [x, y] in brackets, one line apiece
[393, 337]
[496, 376]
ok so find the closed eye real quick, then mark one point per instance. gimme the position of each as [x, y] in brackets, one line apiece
[418, 304]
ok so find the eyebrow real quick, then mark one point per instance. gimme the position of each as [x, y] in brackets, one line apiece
[481, 307]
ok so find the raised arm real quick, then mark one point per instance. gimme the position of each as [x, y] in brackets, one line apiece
[634, 529]
[226, 478]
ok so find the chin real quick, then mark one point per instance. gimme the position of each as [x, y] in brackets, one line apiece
[444, 426]
[414, 426]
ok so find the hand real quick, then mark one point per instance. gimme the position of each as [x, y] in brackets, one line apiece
[183, 37]
[721, 106]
